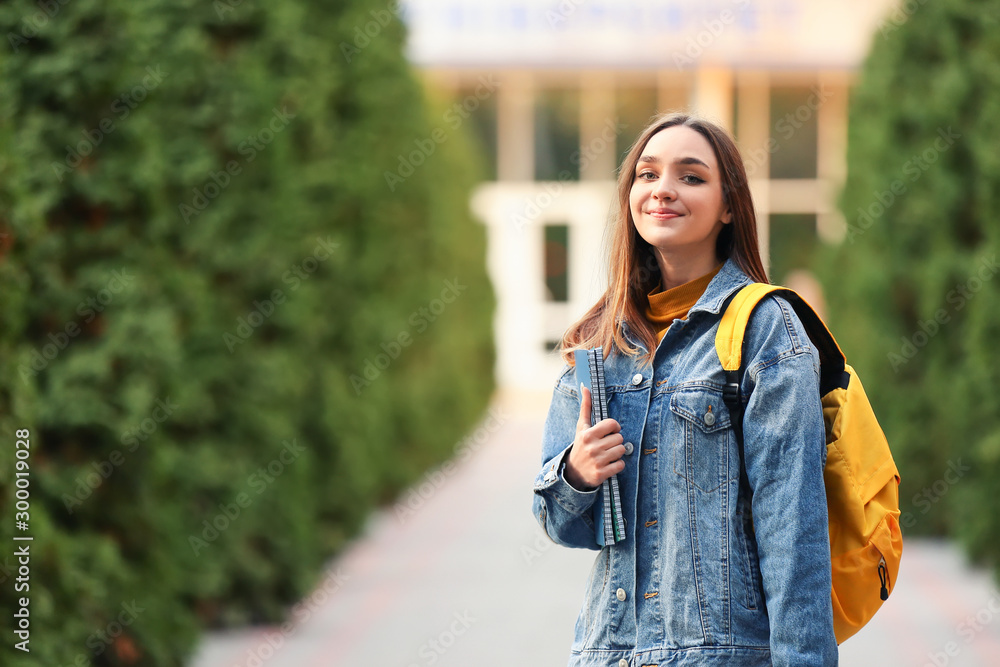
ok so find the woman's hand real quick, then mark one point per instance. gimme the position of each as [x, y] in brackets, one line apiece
[597, 450]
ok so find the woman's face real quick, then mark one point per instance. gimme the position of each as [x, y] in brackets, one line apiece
[676, 196]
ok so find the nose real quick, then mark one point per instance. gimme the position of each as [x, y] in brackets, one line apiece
[664, 189]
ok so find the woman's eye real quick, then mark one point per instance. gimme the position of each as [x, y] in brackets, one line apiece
[643, 175]
[692, 179]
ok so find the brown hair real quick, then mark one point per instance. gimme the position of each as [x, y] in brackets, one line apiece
[632, 267]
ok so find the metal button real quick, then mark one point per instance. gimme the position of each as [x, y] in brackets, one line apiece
[709, 418]
[637, 378]
[621, 594]
[550, 475]
[628, 448]
[623, 663]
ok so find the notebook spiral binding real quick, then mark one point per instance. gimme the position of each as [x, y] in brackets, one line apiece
[614, 524]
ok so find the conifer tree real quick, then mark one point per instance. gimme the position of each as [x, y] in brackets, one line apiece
[913, 290]
[199, 249]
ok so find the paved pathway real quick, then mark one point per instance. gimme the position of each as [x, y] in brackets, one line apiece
[464, 576]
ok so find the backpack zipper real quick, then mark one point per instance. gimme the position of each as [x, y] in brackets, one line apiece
[883, 575]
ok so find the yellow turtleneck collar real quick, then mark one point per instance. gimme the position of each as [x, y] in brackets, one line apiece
[663, 308]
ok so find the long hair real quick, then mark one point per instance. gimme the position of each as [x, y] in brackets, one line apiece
[632, 267]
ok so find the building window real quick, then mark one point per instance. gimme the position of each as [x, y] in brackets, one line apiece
[793, 242]
[556, 263]
[481, 116]
[794, 128]
[557, 135]
[635, 108]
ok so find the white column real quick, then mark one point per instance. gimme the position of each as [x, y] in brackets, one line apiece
[713, 95]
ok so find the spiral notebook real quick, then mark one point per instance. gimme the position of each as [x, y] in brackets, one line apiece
[590, 373]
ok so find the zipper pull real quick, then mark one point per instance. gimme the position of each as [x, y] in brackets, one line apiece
[883, 575]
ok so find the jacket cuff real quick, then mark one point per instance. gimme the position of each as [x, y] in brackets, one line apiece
[551, 481]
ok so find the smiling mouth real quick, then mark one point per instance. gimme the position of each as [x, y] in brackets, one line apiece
[663, 215]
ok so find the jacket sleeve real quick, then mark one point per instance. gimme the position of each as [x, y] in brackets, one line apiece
[563, 512]
[785, 453]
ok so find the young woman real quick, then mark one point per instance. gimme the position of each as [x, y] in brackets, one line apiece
[704, 576]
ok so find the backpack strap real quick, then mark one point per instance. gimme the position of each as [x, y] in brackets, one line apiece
[730, 343]
[729, 340]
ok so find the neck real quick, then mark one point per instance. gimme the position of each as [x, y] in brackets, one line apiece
[677, 269]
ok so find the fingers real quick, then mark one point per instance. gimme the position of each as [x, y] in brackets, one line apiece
[607, 427]
[599, 448]
[611, 455]
[585, 406]
[615, 467]
[608, 470]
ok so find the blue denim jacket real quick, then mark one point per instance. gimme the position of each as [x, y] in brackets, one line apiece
[689, 585]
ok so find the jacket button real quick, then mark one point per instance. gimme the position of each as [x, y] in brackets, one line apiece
[623, 663]
[709, 418]
[637, 378]
[621, 594]
[628, 447]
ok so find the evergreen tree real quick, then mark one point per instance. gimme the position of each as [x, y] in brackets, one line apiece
[913, 291]
[222, 323]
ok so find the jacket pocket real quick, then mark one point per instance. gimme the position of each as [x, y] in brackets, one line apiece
[701, 454]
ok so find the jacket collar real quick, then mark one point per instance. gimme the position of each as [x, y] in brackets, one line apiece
[729, 279]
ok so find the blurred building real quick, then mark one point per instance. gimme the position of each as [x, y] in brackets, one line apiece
[558, 91]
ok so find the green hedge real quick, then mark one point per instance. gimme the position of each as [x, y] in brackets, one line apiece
[913, 290]
[198, 251]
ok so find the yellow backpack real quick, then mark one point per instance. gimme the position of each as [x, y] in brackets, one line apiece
[861, 479]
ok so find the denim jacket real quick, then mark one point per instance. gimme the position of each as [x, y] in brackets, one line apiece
[702, 579]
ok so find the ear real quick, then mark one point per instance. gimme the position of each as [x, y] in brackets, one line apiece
[727, 217]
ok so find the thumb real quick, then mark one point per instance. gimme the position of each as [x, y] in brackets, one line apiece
[585, 407]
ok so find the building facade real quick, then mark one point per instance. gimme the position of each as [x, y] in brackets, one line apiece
[558, 91]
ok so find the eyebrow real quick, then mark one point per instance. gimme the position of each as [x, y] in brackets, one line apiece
[681, 160]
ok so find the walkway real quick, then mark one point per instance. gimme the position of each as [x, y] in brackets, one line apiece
[458, 574]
